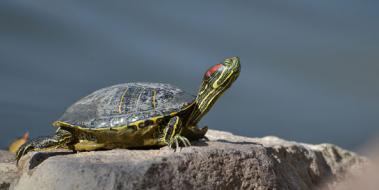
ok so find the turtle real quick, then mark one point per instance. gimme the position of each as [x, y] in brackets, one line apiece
[137, 115]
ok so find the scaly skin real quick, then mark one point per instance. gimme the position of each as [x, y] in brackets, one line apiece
[175, 132]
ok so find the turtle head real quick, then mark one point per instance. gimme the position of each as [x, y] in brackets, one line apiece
[216, 81]
[220, 77]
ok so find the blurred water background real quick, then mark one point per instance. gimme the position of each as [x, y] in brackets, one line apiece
[310, 69]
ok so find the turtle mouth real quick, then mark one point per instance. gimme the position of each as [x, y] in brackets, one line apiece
[233, 63]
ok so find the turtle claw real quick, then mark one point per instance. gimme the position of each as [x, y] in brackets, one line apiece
[178, 141]
[184, 141]
[188, 142]
[176, 144]
[22, 151]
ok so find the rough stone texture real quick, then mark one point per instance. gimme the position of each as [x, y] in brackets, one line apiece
[8, 169]
[225, 162]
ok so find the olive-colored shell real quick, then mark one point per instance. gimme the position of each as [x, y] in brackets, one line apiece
[123, 104]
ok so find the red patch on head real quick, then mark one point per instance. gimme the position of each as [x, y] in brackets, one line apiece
[213, 69]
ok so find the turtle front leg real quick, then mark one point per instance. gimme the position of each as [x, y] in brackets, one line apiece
[172, 134]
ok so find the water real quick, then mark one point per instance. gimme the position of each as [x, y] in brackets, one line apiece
[309, 69]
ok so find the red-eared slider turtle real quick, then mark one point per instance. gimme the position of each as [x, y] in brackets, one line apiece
[138, 115]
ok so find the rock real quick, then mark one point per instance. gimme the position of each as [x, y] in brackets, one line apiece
[8, 169]
[226, 161]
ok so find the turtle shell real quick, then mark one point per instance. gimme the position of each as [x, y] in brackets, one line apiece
[124, 104]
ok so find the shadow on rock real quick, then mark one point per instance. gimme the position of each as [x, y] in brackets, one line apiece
[39, 157]
[239, 142]
[199, 143]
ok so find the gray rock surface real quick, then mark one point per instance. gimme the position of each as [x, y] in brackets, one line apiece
[225, 162]
[8, 169]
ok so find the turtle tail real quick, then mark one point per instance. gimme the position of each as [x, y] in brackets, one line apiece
[42, 143]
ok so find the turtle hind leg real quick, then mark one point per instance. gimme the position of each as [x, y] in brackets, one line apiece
[43, 144]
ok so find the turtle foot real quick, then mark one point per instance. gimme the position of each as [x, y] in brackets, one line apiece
[178, 141]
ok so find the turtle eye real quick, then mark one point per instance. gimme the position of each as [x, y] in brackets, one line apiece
[213, 69]
[228, 62]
